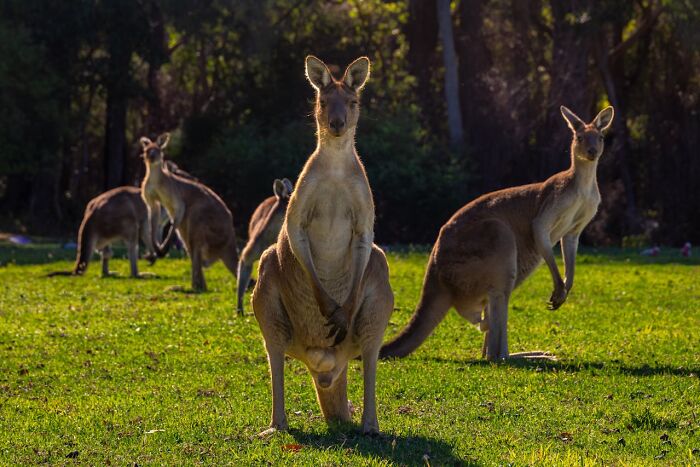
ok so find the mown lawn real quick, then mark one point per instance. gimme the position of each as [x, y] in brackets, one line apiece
[120, 371]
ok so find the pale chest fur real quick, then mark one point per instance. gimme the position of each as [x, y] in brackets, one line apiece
[337, 204]
[572, 213]
[156, 189]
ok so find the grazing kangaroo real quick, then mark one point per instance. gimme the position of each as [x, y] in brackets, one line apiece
[493, 243]
[264, 227]
[118, 214]
[323, 294]
[200, 217]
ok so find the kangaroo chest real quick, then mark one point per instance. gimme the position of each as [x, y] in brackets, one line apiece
[330, 229]
[574, 215]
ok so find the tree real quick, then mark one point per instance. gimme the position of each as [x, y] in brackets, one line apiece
[454, 111]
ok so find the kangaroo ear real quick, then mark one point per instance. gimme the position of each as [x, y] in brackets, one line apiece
[278, 188]
[357, 73]
[317, 72]
[604, 119]
[162, 140]
[288, 185]
[574, 122]
[144, 142]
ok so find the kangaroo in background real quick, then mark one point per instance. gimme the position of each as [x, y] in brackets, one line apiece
[493, 243]
[118, 214]
[323, 294]
[264, 227]
[200, 217]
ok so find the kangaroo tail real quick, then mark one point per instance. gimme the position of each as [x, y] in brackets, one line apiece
[86, 245]
[432, 308]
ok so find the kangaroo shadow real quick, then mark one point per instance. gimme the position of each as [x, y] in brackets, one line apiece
[400, 449]
[573, 366]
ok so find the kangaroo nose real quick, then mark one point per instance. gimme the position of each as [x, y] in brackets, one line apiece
[591, 151]
[337, 124]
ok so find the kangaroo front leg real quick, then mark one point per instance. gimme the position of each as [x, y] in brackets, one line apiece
[544, 248]
[569, 247]
[361, 248]
[162, 248]
[299, 243]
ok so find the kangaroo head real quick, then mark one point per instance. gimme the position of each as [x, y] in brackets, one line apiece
[337, 101]
[153, 151]
[588, 141]
[282, 189]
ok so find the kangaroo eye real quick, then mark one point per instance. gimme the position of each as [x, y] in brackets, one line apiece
[323, 103]
[579, 139]
[354, 102]
[601, 137]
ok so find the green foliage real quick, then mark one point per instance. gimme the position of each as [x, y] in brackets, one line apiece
[30, 121]
[127, 371]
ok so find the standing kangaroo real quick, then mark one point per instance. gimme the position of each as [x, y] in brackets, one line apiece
[117, 214]
[201, 218]
[493, 243]
[323, 294]
[264, 227]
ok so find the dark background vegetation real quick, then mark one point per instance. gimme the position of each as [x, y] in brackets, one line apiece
[82, 80]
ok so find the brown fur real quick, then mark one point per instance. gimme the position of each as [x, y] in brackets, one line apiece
[263, 229]
[201, 218]
[324, 273]
[493, 243]
[118, 214]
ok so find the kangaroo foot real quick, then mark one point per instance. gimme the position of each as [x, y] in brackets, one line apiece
[273, 429]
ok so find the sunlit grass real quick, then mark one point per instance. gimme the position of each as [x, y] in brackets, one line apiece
[137, 371]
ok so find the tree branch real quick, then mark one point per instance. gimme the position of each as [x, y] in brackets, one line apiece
[643, 29]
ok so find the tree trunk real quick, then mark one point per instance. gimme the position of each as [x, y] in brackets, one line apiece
[115, 138]
[454, 112]
[422, 36]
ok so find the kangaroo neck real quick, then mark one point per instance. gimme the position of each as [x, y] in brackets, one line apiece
[155, 173]
[340, 147]
[583, 171]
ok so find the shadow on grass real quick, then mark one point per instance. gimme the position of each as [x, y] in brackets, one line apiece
[401, 449]
[45, 253]
[554, 366]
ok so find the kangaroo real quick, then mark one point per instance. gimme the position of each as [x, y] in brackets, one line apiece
[264, 227]
[200, 217]
[323, 294]
[492, 244]
[118, 214]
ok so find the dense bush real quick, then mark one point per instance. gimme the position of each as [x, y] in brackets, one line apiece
[417, 183]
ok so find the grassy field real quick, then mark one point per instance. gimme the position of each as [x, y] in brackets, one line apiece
[123, 371]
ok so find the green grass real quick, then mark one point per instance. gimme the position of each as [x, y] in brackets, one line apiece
[125, 371]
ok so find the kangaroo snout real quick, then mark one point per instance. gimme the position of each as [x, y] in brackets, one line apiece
[337, 126]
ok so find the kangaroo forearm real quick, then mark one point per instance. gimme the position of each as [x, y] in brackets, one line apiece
[545, 250]
[361, 248]
[569, 247]
[299, 243]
